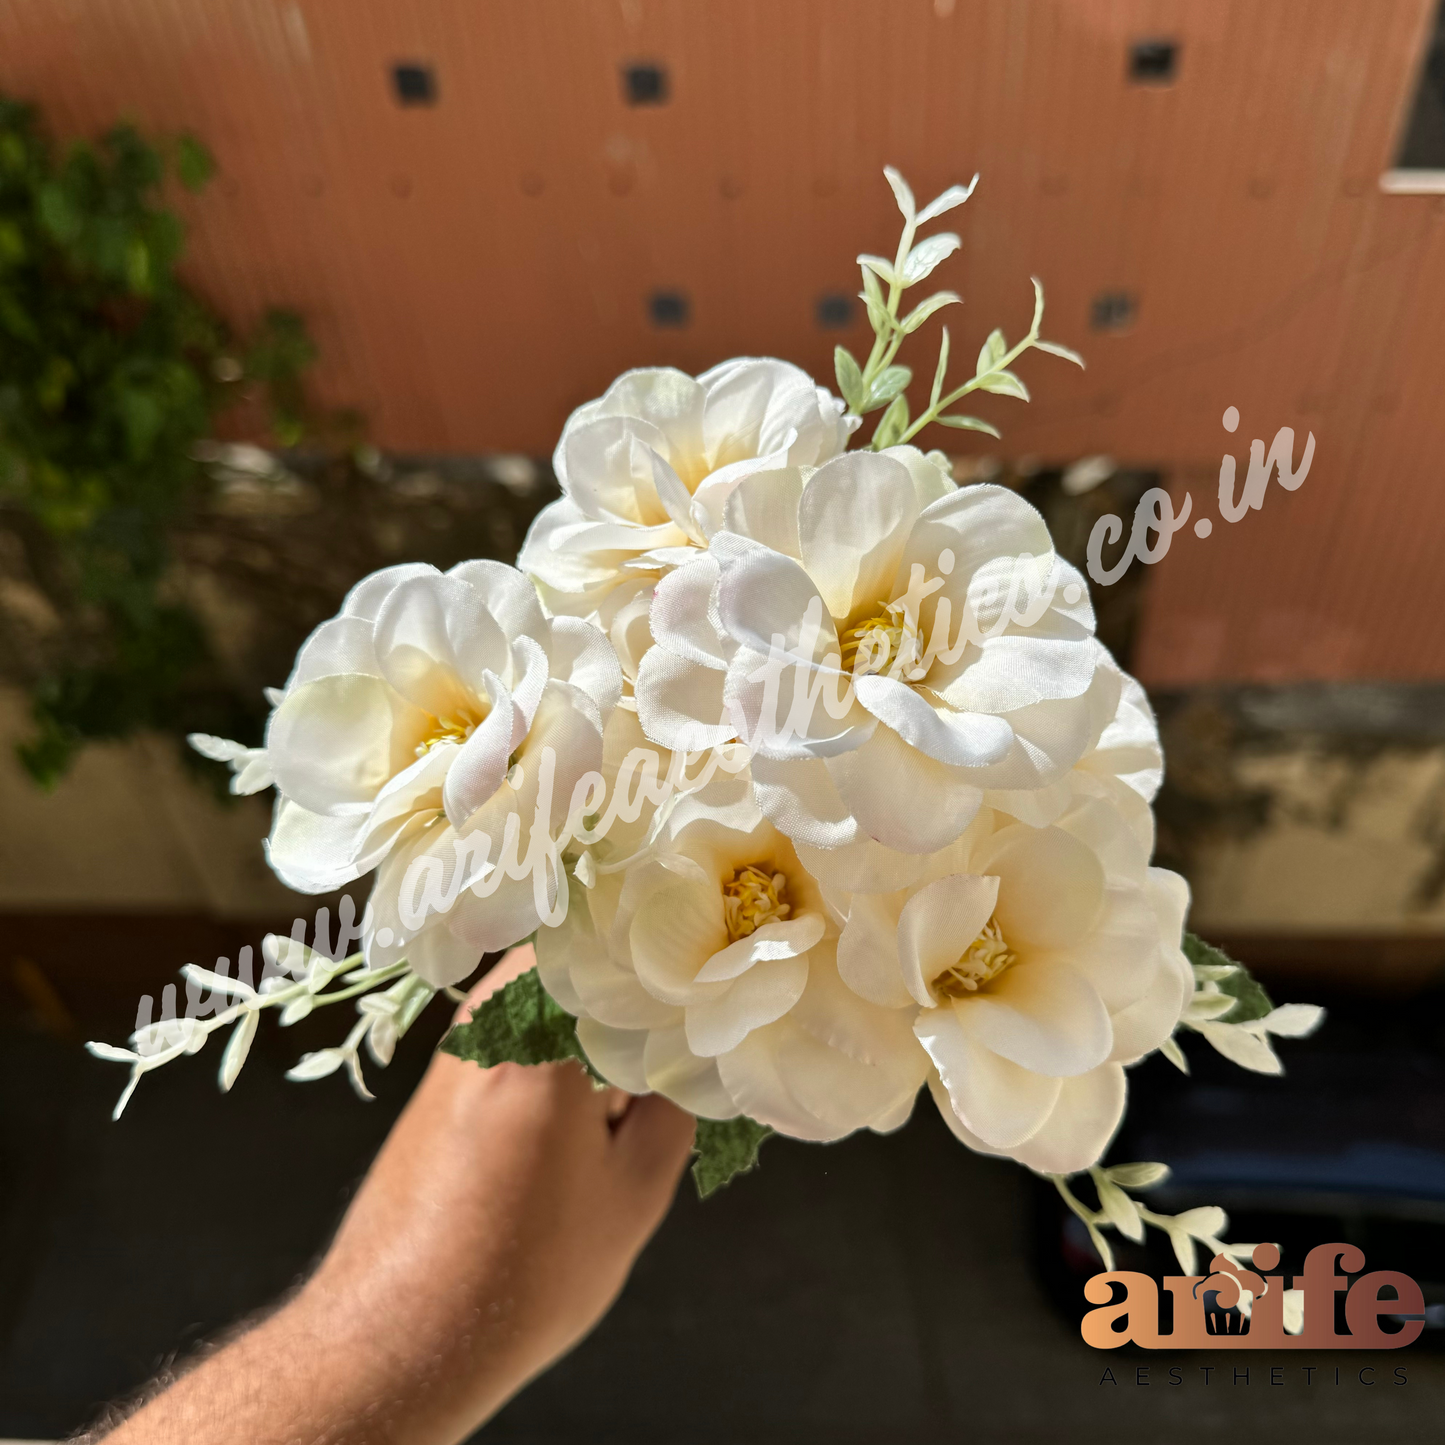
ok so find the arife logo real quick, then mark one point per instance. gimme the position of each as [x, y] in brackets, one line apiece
[1267, 1319]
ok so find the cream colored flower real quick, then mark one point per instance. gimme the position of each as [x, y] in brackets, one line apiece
[705, 971]
[646, 469]
[1040, 961]
[418, 717]
[891, 647]
[1123, 765]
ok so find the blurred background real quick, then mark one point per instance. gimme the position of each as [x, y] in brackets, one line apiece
[324, 301]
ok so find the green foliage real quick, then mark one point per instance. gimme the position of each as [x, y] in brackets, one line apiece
[111, 370]
[879, 382]
[1252, 1002]
[725, 1147]
[523, 1024]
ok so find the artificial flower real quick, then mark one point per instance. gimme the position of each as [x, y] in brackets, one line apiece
[646, 469]
[890, 646]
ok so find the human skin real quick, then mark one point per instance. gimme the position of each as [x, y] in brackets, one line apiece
[495, 1228]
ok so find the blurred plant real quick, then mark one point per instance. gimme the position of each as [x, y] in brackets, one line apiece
[111, 372]
[880, 382]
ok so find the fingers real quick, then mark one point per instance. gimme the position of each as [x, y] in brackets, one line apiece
[653, 1142]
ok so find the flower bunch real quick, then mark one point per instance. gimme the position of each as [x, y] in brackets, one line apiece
[803, 765]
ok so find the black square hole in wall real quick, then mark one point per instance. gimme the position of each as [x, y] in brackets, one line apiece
[1112, 311]
[414, 84]
[835, 311]
[1152, 62]
[644, 84]
[669, 308]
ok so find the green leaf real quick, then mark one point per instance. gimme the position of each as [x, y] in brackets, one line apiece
[940, 371]
[58, 215]
[901, 192]
[927, 255]
[1138, 1176]
[880, 267]
[850, 378]
[1004, 383]
[725, 1147]
[886, 385]
[194, 165]
[1252, 1002]
[1038, 305]
[992, 352]
[893, 425]
[1054, 349]
[968, 423]
[521, 1024]
[872, 297]
[925, 309]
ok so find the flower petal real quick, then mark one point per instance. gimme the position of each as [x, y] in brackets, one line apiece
[311, 852]
[938, 924]
[1041, 1016]
[434, 641]
[801, 800]
[787, 938]
[901, 797]
[334, 742]
[996, 1099]
[507, 596]
[764, 507]
[962, 739]
[481, 764]
[580, 654]
[672, 935]
[677, 1073]
[764, 993]
[868, 951]
[854, 519]
[616, 1054]
[1051, 888]
[680, 704]
[1083, 1122]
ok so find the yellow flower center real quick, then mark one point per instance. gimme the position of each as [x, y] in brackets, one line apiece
[454, 729]
[753, 896]
[881, 640]
[982, 962]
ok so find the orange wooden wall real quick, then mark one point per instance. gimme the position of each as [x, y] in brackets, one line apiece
[474, 269]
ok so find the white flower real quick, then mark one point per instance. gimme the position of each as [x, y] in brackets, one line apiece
[411, 702]
[646, 468]
[1039, 961]
[706, 972]
[893, 648]
[1123, 766]
[431, 709]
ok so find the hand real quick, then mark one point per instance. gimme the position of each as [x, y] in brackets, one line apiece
[496, 1226]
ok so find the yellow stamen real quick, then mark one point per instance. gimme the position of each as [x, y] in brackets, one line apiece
[753, 896]
[982, 962]
[449, 730]
[882, 639]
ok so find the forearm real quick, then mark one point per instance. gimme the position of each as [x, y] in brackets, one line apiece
[493, 1230]
[304, 1376]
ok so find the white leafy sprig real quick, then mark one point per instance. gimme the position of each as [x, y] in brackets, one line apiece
[1204, 1225]
[1119, 1210]
[1243, 1041]
[384, 1017]
[880, 382]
